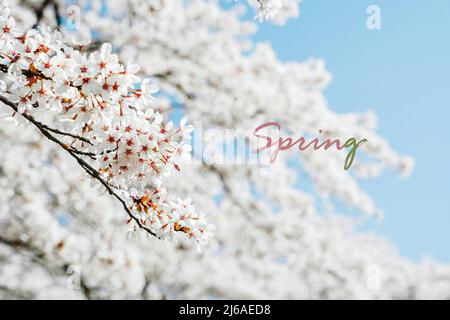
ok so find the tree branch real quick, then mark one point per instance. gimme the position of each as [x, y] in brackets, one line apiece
[86, 166]
[39, 11]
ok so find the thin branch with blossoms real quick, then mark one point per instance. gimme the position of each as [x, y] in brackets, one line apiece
[88, 168]
[92, 98]
[39, 11]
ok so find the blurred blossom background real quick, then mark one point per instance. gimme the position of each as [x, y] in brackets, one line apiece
[401, 72]
[302, 228]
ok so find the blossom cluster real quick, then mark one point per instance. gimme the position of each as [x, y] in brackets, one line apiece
[105, 114]
[276, 10]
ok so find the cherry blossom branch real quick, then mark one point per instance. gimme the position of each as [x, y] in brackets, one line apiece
[4, 68]
[86, 166]
[146, 147]
[74, 136]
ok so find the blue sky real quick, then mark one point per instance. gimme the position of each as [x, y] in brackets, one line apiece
[402, 72]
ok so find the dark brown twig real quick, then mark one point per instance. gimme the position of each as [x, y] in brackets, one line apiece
[39, 11]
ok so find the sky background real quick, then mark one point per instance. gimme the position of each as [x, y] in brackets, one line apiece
[402, 72]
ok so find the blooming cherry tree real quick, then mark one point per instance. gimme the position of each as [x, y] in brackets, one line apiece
[60, 237]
